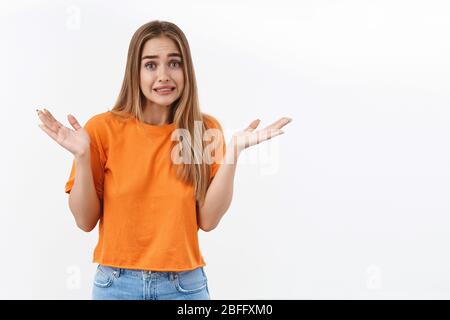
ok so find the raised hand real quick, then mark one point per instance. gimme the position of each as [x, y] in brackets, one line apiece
[76, 141]
[249, 137]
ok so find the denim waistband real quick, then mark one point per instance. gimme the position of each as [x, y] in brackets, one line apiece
[142, 273]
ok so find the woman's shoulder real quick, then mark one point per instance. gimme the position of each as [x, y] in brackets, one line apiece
[105, 119]
[211, 121]
[98, 118]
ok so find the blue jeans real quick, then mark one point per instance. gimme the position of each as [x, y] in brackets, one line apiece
[111, 283]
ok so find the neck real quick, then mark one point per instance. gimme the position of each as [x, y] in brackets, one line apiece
[156, 114]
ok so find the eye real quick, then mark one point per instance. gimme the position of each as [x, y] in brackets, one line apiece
[148, 64]
[174, 63]
[178, 63]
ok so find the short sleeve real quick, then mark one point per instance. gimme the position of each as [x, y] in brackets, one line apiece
[218, 146]
[93, 128]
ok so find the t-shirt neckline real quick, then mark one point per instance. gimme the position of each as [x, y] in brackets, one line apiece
[165, 128]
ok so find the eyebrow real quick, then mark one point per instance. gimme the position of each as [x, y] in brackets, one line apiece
[173, 54]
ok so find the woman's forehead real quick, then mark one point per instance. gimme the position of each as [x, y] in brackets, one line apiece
[161, 47]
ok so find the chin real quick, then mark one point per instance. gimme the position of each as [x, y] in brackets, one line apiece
[163, 102]
[165, 99]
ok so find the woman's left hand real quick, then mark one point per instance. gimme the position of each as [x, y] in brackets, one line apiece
[249, 137]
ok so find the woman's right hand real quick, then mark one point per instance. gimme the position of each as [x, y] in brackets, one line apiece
[76, 141]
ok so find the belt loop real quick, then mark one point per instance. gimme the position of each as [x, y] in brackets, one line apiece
[116, 272]
[146, 274]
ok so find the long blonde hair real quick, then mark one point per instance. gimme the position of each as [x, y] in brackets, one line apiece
[184, 111]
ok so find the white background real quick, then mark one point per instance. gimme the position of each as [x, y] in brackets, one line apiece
[351, 202]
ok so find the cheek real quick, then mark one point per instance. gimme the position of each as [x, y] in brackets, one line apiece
[180, 80]
[145, 81]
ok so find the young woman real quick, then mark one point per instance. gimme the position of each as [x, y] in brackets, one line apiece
[144, 172]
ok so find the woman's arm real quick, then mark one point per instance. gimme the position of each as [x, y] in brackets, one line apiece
[220, 192]
[83, 199]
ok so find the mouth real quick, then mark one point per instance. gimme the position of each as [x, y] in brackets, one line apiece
[164, 90]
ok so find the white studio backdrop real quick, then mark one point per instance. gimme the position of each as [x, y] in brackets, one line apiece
[351, 202]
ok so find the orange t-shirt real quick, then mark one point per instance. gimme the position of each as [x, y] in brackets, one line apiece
[149, 218]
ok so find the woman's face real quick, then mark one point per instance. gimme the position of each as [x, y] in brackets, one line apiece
[161, 65]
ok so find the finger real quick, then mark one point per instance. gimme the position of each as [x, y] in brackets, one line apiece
[275, 133]
[73, 122]
[54, 124]
[253, 125]
[48, 131]
[43, 117]
[52, 119]
[264, 135]
[279, 123]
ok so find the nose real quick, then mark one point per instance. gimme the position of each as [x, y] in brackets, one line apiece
[162, 74]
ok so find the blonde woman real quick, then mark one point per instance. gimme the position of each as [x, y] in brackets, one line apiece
[144, 172]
